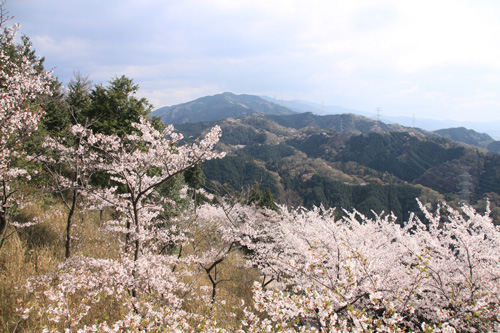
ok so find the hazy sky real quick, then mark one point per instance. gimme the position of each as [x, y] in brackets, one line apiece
[432, 59]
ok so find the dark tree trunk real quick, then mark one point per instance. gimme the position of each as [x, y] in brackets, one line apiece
[3, 226]
[69, 224]
[3, 215]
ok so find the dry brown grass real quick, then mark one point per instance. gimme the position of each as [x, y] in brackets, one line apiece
[236, 286]
[25, 253]
[39, 250]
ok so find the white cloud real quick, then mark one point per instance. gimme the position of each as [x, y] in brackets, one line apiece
[408, 92]
[71, 47]
[177, 93]
[358, 53]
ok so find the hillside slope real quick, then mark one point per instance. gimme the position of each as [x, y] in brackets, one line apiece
[305, 160]
[462, 134]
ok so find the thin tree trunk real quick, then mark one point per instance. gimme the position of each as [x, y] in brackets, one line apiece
[3, 226]
[195, 203]
[137, 251]
[3, 216]
[69, 224]
[214, 285]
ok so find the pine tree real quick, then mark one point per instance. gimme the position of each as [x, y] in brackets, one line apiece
[268, 201]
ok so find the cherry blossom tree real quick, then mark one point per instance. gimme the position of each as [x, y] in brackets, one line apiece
[209, 243]
[71, 163]
[361, 274]
[142, 280]
[21, 82]
[355, 274]
[138, 164]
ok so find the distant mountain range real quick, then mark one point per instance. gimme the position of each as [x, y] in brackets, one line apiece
[229, 105]
[492, 128]
[341, 160]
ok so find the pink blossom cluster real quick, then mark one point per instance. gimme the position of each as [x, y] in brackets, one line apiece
[66, 296]
[138, 164]
[143, 280]
[437, 273]
[20, 86]
[441, 274]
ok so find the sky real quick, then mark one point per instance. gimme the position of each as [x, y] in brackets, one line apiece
[437, 59]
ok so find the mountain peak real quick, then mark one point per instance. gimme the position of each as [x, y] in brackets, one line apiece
[463, 134]
[217, 107]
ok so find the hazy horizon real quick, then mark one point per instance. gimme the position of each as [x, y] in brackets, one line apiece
[428, 59]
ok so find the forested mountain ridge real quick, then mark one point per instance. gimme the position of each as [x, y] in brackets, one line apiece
[300, 106]
[229, 105]
[348, 161]
[358, 124]
[465, 135]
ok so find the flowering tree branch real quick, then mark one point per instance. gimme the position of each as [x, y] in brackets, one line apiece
[143, 278]
[71, 163]
[20, 85]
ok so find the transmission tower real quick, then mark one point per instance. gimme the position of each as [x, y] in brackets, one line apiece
[377, 124]
[465, 185]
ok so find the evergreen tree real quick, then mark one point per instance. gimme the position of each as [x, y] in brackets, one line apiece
[268, 201]
[255, 196]
[57, 117]
[195, 178]
[262, 200]
[113, 109]
[79, 89]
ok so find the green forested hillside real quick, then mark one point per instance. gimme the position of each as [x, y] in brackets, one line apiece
[465, 135]
[398, 153]
[240, 173]
[368, 166]
[398, 199]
